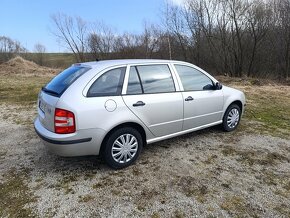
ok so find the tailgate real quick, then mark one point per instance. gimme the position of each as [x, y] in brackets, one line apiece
[46, 108]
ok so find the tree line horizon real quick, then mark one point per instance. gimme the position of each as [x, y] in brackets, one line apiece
[234, 37]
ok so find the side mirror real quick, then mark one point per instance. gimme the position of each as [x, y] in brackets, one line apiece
[218, 86]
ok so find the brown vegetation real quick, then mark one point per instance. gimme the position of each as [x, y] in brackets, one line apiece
[21, 80]
[20, 66]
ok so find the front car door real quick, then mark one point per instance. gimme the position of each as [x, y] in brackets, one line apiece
[203, 104]
[151, 95]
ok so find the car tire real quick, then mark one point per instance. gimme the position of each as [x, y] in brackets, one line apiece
[231, 118]
[122, 147]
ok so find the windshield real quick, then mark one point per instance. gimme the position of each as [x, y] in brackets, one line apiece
[63, 80]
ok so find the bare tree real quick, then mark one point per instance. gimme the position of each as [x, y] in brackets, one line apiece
[207, 22]
[282, 10]
[39, 49]
[148, 40]
[259, 17]
[127, 46]
[9, 47]
[71, 33]
[101, 40]
[234, 37]
[176, 24]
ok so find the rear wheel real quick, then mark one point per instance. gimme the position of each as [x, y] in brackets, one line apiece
[123, 147]
[231, 118]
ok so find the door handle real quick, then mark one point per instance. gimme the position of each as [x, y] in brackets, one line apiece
[189, 98]
[138, 104]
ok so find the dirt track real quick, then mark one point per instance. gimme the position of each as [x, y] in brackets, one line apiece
[208, 173]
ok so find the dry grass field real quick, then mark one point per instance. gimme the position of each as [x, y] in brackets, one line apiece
[208, 173]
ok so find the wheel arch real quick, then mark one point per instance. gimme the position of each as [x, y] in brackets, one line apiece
[134, 125]
[237, 102]
[225, 121]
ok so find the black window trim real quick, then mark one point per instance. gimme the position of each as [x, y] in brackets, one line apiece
[120, 85]
[154, 64]
[139, 78]
[198, 71]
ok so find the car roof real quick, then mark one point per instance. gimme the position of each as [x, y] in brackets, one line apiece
[105, 64]
[110, 63]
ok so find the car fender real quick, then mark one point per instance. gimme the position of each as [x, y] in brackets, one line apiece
[231, 95]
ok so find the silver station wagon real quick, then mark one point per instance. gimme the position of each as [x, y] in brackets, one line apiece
[113, 108]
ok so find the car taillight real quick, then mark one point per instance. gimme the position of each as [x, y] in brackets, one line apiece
[64, 121]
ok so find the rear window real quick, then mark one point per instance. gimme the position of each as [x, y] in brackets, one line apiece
[63, 80]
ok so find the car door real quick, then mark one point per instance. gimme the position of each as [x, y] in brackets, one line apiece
[152, 97]
[203, 103]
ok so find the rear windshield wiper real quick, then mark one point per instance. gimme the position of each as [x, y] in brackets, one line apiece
[50, 92]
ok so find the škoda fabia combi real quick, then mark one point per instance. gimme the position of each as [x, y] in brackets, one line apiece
[114, 107]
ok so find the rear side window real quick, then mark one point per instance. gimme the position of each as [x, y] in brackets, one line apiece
[63, 80]
[108, 84]
[150, 79]
[192, 79]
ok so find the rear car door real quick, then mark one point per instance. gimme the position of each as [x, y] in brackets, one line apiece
[203, 104]
[151, 95]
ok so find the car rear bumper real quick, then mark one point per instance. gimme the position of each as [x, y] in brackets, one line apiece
[80, 143]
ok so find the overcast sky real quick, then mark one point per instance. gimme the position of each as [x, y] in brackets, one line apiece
[29, 22]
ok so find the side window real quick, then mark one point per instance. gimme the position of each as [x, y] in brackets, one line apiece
[134, 85]
[108, 84]
[192, 79]
[155, 78]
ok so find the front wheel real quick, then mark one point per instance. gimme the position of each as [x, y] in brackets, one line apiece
[231, 118]
[123, 147]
